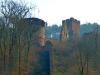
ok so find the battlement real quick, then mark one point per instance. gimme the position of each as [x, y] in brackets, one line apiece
[71, 21]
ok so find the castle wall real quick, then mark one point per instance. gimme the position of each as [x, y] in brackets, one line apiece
[38, 30]
[64, 31]
[70, 29]
[76, 30]
[42, 36]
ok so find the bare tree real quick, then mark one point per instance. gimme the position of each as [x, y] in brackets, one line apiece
[12, 12]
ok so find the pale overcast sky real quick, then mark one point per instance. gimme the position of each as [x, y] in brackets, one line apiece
[54, 11]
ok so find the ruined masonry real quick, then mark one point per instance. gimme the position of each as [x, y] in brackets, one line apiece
[42, 35]
[38, 28]
[70, 29]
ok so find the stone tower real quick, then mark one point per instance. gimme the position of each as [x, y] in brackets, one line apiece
[64, 34]
[76, 29]
[70, 29]
[38, 29]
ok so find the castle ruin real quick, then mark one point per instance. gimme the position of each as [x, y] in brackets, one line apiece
[38, 30]
[70, 29]
[42, 34]
[64, 33]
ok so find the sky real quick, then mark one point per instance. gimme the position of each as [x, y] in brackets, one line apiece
[54, 11]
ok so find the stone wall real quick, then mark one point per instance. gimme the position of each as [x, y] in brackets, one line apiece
[76, 30]
[70, 29]
[63, 34]
[38, 29]
[42, 36]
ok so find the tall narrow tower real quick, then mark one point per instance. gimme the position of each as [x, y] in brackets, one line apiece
[64, 34]
[70, 29]
[38, 30]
